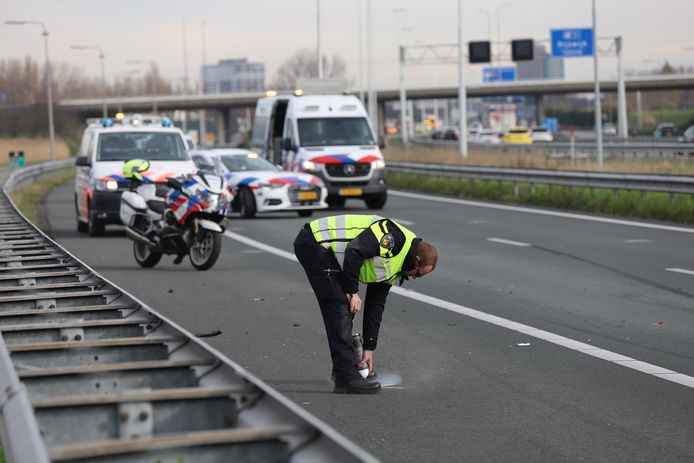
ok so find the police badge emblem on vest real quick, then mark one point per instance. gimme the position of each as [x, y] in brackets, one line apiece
[387, 241]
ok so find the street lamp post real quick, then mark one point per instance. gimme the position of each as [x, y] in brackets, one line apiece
[462, 92]
[598, 105]
[371, 70]
[489, 22]
[49, 81]
[153, 66]
[318, 51]
[104, 105]
[498, 30]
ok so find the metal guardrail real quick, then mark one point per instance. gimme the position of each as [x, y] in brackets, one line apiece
[659, 183]
[625, 150]
[88, 373]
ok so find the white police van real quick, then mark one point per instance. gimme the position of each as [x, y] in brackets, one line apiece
[326, 135]
[106, 145]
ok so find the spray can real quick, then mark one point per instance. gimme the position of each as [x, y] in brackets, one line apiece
[357, 345]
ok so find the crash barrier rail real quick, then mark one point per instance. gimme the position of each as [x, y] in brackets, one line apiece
[657, 183]
[624, 150]
[88, 373]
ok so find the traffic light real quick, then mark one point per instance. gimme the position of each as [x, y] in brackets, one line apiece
[479, 52]
[522, 50]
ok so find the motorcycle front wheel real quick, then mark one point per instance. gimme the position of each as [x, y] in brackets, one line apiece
[205, 249]
[145, 256]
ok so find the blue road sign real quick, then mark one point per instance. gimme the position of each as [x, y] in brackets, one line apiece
[552, 123]
[572, 43]
[498, 74]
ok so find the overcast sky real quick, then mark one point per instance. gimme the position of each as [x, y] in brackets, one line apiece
[270, 30]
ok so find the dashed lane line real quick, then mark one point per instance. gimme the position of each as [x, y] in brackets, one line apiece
[509, 242]
[527, 330]
[680, 270]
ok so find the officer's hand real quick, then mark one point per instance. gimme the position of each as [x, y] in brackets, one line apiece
[354, 303]
[368, 359]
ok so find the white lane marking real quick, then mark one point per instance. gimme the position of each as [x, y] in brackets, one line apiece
[403, 222]
[252, 251]
[637, 241]
[567, 215]
[581, 347]
[509, 242]
[680, 270]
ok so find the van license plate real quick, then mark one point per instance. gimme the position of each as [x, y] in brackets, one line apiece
[350, 192]
[308, 195]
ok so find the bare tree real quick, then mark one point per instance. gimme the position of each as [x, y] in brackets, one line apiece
[304, 63]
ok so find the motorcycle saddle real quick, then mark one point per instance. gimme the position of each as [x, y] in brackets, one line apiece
[156, 205]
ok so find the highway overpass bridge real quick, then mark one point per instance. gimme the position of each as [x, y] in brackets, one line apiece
[219, 104]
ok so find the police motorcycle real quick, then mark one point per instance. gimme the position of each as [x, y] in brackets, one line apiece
[187, 221]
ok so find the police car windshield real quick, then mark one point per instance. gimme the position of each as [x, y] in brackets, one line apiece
[335, 131]
[152, 146]
[244, 162]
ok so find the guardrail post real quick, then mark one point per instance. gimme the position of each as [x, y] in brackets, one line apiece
[532, 188]
[515, 189]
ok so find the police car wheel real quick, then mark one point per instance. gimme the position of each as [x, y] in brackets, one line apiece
[247, 203]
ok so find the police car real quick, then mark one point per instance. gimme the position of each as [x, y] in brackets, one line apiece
[260, 186]
[106, 145]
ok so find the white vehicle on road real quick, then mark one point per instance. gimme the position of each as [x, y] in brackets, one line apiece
[260, 186]
[488, 136]
[542, 134]
[105, 147]
[326, 135]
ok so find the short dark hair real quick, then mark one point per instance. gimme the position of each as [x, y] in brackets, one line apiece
[428, 255]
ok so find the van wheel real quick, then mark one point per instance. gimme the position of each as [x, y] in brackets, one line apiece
[376, 201]
[95, 227]
[336, 201]
[81, 226]
[247, 203]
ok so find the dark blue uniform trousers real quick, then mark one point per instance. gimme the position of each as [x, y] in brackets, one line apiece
[324, 273]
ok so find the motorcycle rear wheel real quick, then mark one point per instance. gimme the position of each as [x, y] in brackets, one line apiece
[205, 251]
[145, 256]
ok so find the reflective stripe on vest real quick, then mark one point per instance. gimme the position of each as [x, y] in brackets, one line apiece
[336, 232]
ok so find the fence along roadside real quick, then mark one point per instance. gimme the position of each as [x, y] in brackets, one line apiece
[88, 373]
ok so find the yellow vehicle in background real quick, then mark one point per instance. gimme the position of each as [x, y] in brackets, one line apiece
[519, 135]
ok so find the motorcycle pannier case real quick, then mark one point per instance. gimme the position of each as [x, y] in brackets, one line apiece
[131, 203]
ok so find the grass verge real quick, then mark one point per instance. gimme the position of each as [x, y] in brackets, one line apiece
[658, 206]
[450, 155]
[30, 198]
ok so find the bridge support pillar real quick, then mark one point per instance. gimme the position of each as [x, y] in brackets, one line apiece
[539, 108]
[222, 122]
[202, 128]
[381, 120]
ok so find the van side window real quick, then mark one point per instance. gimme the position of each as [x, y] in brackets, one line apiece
[259, 127]
[289, 130]
[84, 146]
[92, 146]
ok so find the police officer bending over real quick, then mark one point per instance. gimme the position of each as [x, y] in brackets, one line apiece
[374, 250]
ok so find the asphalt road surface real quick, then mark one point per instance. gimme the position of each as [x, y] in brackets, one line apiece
[539, 338]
